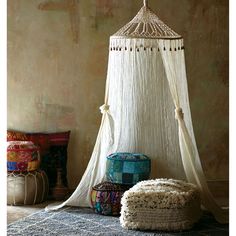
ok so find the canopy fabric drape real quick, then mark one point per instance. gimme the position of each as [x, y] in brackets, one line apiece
[146, 109]
[174, 64]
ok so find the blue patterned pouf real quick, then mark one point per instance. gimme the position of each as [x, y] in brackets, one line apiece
[127, 168]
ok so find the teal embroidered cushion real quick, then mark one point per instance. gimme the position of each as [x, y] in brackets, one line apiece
[127, 168]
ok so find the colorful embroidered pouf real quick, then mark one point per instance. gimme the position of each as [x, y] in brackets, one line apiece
[106, 197]
[22, 156]
[161, 204]
[127, 168]
[26, 188]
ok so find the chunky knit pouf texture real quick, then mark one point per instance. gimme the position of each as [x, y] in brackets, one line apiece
[160, 204]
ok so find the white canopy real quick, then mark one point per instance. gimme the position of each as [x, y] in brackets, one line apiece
[146, 109]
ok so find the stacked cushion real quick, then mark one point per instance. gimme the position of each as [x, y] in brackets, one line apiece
[123, 170]
[26, 188]
[53, 150]
[106, 197]
[22, 156]
[161, 204]
[127, 168]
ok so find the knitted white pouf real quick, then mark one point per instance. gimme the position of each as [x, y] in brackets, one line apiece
[161, 204]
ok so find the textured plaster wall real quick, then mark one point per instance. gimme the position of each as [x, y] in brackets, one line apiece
[56, 85]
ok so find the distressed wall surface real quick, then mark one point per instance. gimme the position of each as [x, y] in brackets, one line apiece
[57, 85]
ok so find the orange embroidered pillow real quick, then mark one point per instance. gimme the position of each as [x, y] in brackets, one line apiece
[16, 136]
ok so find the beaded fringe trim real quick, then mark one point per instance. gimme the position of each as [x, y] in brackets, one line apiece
[133, 44]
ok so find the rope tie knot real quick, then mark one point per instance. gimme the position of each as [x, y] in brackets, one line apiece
[104, 108]
[179, 113]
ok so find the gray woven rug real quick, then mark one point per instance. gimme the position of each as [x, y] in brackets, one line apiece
[71, 221]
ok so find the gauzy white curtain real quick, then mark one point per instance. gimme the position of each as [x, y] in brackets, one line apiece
[142, 107]
[137, 116]
[174, 63]
[95, 171]
[146, 91]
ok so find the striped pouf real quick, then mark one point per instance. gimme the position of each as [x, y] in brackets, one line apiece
[26, 188]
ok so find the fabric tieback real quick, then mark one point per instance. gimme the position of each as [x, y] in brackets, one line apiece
[179, 115]
[104, 108]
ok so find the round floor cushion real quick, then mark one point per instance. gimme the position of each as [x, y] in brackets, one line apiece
[106, 197]
[22, 156]
[26, 188]
[127, 168]
[160, 204]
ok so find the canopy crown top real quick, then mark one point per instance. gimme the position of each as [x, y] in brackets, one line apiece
[146, 24]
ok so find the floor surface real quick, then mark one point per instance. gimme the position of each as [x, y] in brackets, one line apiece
[15, 213]
[85, 222]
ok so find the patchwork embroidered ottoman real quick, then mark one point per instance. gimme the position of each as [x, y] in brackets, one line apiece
[26, 188]
[22, 156]
[127, 168]
[106, 197]
[161, 204]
